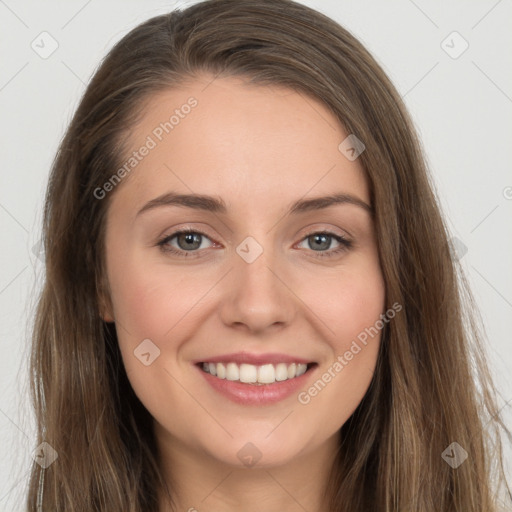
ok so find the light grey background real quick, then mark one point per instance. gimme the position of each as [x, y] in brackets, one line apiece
[461, 106]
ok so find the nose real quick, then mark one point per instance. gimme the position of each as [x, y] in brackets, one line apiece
[258, 296]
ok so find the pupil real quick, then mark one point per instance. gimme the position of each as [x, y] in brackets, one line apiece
[325, 244]
[189, 239]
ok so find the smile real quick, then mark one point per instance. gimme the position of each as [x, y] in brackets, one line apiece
[252, 374]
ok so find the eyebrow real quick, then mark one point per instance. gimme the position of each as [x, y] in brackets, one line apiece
[216, 204]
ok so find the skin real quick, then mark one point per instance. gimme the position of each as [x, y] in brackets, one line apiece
[259, 148]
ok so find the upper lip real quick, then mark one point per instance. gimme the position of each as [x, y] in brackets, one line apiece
[254, 359]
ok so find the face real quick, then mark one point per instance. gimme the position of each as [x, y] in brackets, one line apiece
[258, 288]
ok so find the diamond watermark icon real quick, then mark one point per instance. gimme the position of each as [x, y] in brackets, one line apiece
[146, 352]
[38, 250]
[458, 248]
[454, 45]
[351, 147]
[44, 45]
[249, 454]
[45, 455]
[249, 250]
[454, 455]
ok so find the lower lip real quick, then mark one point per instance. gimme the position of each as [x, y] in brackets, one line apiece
[251, 394]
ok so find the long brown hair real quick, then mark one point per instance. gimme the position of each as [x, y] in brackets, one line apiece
[431, 387]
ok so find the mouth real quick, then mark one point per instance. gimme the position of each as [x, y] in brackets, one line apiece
[255, 375]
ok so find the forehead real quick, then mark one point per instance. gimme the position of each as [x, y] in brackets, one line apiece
[240, 141]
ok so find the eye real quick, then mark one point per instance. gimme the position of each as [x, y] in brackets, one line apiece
[321, 240]
[188, 240]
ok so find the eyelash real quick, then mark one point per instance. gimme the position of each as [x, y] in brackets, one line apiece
[345, 244]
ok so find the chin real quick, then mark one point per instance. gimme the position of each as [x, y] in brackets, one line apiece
[257, 451]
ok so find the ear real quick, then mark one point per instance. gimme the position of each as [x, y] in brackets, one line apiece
[106, 309]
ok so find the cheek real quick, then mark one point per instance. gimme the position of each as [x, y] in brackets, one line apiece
[149, 300]
[348, 303]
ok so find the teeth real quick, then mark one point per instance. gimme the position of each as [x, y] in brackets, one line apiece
[266, 374]
[232, 371]
[301, 369]
[281, 372]
[221, 370]
[251, 374]
[248, 373]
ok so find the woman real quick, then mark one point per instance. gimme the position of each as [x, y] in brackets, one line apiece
[310, 351]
